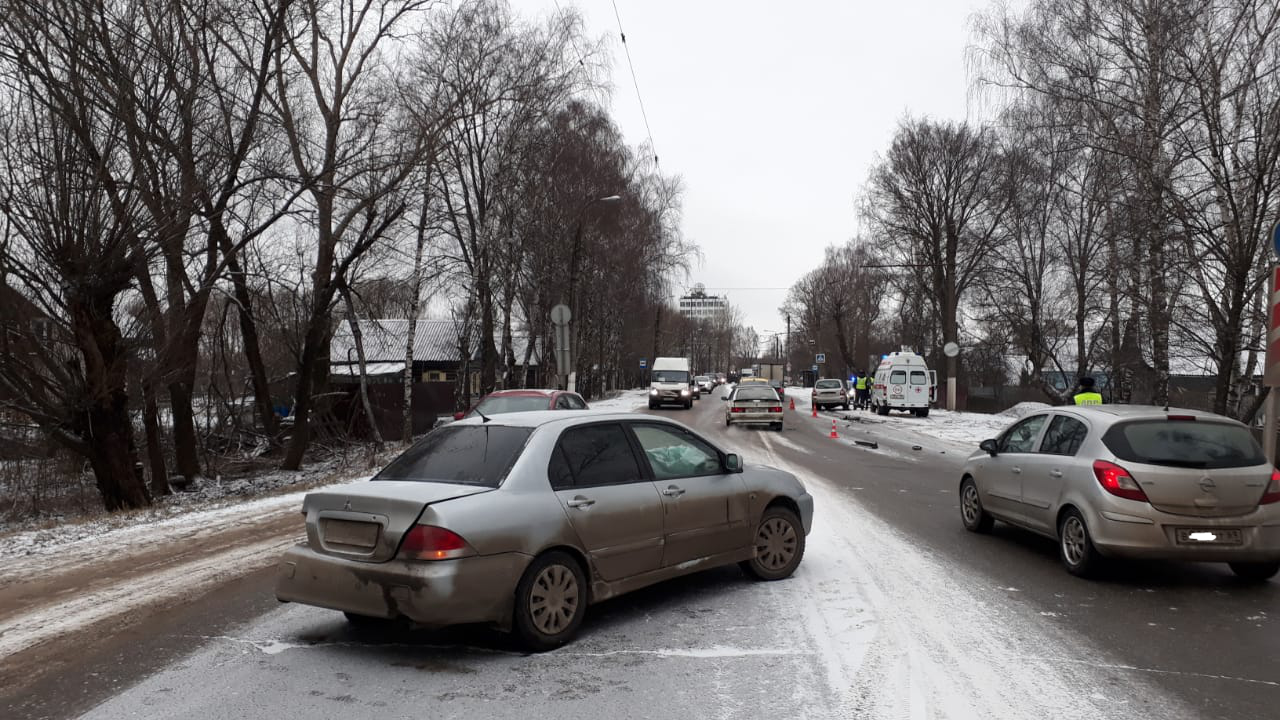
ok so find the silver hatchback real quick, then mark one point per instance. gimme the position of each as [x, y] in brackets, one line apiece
[1131, 481]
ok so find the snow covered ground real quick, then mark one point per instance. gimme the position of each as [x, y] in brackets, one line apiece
[625, 401]
[961, 430]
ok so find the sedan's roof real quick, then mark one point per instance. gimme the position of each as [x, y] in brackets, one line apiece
[538, 418]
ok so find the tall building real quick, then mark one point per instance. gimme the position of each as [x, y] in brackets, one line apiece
[698, 304]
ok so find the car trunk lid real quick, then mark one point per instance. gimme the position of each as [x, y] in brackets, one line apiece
[366, 520]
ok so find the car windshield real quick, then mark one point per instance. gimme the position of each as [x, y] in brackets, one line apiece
[498, 404]
[466, 455]
[828, 385]
[756, 392]
[1184, 443]
[670, 376]
[702, 379]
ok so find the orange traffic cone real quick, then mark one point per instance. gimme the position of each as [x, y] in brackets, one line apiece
[834, 434]
[793, 403]
[815, 410]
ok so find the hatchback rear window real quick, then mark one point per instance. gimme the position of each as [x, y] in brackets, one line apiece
[467, 455]
[828, 385]
[1184, 443]
[496, 405]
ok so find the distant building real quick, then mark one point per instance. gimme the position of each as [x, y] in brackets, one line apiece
[701, 306]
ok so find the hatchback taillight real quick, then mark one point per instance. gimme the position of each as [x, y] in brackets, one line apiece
[428, 542]
[776, 408]
[1117, 481]
[1272, 494]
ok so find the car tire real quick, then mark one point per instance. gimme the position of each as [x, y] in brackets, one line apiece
[975, 518]
[882, 409]
[688, 404]
[1255, 572]
[923, 412]
[779, 545]
[1075, 545]
[844, 406]
[554, 582]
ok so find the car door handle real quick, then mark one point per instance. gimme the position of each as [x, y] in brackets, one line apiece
[1055, 473]
[1016, 470]
[581, 502]
[673, 491]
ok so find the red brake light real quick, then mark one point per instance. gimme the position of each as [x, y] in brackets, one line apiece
[737, 409]
[428, 542]
[776, 408]
[1117, 481]
[1272, 493]
[1182, 417]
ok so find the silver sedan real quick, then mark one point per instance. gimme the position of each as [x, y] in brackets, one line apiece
[1131, 481]
[524, 520]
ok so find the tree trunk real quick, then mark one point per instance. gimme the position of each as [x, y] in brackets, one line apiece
[155, 452]
[249, 334]
[358, 339]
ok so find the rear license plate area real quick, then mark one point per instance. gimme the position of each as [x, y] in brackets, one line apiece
[350, 534]
[1207, 536]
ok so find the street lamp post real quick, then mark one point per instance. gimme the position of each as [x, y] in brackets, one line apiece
[574, 263]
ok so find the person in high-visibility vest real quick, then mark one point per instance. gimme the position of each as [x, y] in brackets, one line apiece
[863, 388]
[1087, 395]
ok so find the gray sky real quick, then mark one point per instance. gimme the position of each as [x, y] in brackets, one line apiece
[773, 113]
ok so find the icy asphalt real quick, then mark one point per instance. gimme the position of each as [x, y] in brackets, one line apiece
[895, 613]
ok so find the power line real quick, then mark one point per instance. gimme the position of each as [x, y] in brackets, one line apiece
[652, 147]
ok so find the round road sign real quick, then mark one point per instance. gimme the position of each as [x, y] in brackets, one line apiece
[560, 315]
[951, 349]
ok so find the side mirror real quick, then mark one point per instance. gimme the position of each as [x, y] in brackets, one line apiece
[732, 463]
[724, 398]
[989, 447]
[459, 415]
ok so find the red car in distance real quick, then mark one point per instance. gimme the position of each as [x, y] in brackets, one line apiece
[513, 401]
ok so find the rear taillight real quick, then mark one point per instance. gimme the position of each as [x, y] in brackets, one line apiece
[1272, 494]
[1117, 481]
[737, 409]
[428, 542]
[776, 408]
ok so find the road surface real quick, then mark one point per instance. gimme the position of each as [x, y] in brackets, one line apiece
[895, 612]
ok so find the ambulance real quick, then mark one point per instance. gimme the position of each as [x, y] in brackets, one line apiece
[904, 382]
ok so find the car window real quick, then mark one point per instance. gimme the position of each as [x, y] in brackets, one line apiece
[755, 392]
[558, 471]
[469, 455]
[574, 402]
[1184, 443]
[1021, 438]
[918, 378]
[562, 402]
[670, 376]
[828, 385]
[898, 377]
[1064, 436]
[498, 404]
[673, 453]
[599, 455]
[702, 379]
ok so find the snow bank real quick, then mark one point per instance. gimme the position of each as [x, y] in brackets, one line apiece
[625, 401]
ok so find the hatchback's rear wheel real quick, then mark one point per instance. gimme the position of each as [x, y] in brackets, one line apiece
[1255, 571]
[1075, 545]
[550, 601]
[779, 545]
[975, 518]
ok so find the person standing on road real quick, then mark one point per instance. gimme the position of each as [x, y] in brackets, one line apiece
[863, 390]
[1086, 395]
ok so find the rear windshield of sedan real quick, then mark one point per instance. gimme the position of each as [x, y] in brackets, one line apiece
[828, 384]
[702, 378]
[512, 403]
[467, 455]
[756, 392]
[1184, 443]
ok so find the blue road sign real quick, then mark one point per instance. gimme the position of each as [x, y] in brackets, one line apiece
[820, 358]
[643, 363]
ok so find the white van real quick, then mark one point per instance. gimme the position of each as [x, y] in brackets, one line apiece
[904, 382]
[670, 383]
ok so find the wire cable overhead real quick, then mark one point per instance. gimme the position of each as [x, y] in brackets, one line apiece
[643, 114]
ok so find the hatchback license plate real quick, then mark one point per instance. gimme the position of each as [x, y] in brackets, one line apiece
[1206, 536]
[350, 532]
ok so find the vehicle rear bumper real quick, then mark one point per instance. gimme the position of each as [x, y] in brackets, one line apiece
[431, 593]
[1120, 535]
[754, 418]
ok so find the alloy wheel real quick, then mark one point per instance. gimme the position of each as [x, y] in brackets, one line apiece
[969, 505]
[1073, 540]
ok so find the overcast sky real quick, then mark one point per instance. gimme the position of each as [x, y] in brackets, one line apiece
[772, 113]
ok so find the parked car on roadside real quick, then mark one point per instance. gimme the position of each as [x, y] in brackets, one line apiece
[1131, 481]
[753, 403]
[829, 392]
[524, 520]
[509, 401]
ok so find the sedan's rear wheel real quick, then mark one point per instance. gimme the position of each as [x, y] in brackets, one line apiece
[551, 600]
[1075, 546]
[975, 518]
[779, 545]
[1255, 571]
